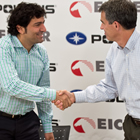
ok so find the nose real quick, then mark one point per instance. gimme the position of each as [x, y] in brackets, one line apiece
[43, 28]
[101, 27]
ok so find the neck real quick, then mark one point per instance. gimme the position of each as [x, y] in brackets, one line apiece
[124, 37]
[26, 44]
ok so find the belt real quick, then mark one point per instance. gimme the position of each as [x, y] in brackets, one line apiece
[10, 116]
[136, 121]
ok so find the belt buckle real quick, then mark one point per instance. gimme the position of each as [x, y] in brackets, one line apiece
[13, 116]
[137, 122]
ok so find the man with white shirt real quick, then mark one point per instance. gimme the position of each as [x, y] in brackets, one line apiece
[122, 76]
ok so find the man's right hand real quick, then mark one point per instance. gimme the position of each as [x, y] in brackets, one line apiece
[64, 99]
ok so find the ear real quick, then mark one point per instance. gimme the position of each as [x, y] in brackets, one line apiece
[116, 25]
[20, 29]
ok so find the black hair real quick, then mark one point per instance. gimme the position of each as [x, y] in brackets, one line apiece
[122, 11]
[22, 16]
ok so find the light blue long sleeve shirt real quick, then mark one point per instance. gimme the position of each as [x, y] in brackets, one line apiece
[122, 77]
[24, 79]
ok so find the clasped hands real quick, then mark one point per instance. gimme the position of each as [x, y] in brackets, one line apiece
[64, 99]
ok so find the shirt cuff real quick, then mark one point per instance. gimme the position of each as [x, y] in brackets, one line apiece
[80, 96]
[50, 95]
[47, 127]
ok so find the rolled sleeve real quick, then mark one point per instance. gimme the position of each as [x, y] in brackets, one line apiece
[50, 95]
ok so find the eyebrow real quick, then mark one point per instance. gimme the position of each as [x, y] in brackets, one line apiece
[39, 22]
[101, 21]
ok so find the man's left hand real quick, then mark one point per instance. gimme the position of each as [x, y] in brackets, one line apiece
[49, 136]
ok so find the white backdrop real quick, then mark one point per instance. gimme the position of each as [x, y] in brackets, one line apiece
[99, 121]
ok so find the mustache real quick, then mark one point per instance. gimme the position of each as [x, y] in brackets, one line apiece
[40, 33]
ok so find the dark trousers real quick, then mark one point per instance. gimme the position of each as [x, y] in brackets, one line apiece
[131, 129]
[24, 128]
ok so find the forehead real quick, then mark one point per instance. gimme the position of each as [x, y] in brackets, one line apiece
[35, 20]
[103, 17]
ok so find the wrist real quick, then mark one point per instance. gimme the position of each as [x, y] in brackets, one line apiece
[57, 95]
[73, 97]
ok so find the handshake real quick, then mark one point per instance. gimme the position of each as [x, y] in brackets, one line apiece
[64, 99]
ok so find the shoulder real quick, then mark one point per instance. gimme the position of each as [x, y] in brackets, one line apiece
[6, 40]
[6, 43]
[113, 49]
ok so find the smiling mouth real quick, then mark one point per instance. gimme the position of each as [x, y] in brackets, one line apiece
[40, 35]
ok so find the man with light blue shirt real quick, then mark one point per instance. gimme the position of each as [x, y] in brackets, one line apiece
[122, 74]
[24, 77]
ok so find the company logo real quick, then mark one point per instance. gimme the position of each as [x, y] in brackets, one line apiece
[79, 128]
[55, 122]
[84, 124]
[76, 38]
[117, 100]
[46, 35]
[75, 90]
[7, 8]
[79, 9]
[84, 67]
[2, 33]
[76, 67]
[49, 9]
[53, 67]
[97, 38]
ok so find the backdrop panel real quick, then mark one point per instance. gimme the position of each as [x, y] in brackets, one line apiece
[77, 49]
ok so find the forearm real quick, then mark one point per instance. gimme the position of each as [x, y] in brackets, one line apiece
[96, 93]
[21, 89]
[45, 114]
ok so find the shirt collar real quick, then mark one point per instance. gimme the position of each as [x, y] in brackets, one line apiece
[130, 45]
[17, 43]
[132, 40]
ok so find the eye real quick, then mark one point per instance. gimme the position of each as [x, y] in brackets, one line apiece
[37, 25]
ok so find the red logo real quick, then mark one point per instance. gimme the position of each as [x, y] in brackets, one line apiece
[79, 128]
[77, 67]
[80, 8]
